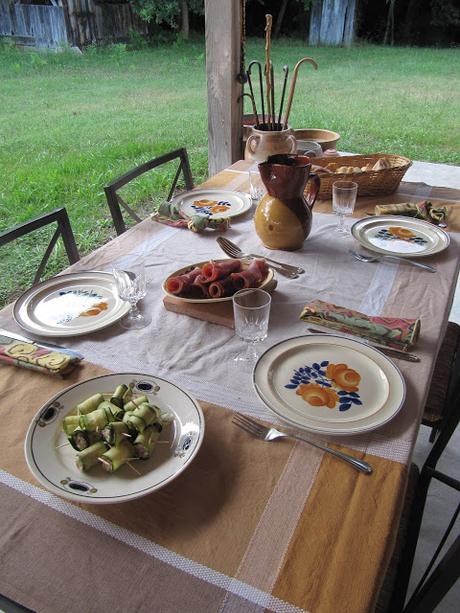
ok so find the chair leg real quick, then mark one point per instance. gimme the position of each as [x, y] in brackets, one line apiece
[433, 432]
[438, 584]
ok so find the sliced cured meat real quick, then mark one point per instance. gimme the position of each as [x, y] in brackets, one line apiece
[202, 284]
[221, 288]
[252, 276]
[181, 283]
[217, 279]
[212, 271]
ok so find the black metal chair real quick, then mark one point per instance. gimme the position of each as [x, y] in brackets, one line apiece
[63, 230]
[431, 589]
[116, 203]
[443, 380]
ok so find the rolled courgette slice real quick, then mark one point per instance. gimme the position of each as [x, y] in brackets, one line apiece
[70, 423]
[94, 421]
[135, 402]
[134, 422]
[115, 432]
[113, 411]
[90, 456]
[118, 394]
[147, 412]
[116, 456]
[90, 404]
[144, 442]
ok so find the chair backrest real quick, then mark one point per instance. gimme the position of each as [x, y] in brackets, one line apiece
[116, 203]
[432, 588]
[63, 230]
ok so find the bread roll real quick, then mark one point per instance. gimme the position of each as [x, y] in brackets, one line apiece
[381, 164]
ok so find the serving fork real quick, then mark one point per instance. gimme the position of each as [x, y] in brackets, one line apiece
[235, 252]
[272, 434]
[376, 258]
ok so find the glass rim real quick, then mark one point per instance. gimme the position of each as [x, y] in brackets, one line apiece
[251, 290]
[344, 184]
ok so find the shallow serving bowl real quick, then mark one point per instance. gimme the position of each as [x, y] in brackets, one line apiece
[52, 460]
[326, 138]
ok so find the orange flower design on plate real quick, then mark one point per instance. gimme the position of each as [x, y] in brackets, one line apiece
[323, 384]
[345, 378]
[202, 204]
[403, 233]
[95, 310]
[317, 395]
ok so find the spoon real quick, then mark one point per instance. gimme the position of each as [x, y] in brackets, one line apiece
[373, 258]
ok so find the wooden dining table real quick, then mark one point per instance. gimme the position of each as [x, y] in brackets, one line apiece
[249, 526]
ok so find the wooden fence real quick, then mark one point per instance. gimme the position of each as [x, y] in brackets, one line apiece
[36, 25]
[332, 22]
[75, 22]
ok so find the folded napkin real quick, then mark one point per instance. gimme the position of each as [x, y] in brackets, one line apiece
[169, 213]
[27, 354]
[420, 210]
[390, 331]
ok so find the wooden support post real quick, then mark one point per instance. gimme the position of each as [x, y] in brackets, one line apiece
[225, 107]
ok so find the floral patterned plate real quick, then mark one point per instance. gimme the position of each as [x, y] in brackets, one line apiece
[329, 384]
[214, 203]
[51, 459]
[401, 236]
[70, 305]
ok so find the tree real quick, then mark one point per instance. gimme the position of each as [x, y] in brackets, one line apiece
[390, 27]
[169, 12]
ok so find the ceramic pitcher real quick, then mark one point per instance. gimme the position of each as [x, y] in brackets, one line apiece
[284, 215]
[262, 143]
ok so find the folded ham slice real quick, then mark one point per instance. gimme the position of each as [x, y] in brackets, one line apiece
[181, 283]
[212, 271]
[202, 284]
[252, 276]
[221, 288]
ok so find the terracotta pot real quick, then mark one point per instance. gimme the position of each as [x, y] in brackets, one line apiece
[283, 216]
[262, 143]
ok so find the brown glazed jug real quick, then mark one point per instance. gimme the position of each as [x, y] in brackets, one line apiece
[284, 215]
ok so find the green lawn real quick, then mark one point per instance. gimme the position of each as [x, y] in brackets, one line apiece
[71, 123]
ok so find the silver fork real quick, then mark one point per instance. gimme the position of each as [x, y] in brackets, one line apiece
[271, 434]
[235, 252]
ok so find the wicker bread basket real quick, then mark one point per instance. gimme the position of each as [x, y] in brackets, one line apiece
[370, 182]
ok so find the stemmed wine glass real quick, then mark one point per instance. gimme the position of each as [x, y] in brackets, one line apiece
[251, 308]
[131, 286]
[343, 202]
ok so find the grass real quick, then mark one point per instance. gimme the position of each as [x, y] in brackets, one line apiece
[71, 123]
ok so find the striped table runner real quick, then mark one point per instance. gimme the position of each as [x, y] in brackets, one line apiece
[250, 526]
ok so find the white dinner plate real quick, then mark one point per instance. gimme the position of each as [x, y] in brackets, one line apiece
[214, 203]
[245, 263]
[52, 461]
[70, 305]
[329, 384]
[401, 236]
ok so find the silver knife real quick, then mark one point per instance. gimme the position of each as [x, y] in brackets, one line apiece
[45, 344]
[394, 353]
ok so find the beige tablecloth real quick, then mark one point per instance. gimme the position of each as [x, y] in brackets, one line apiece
[251, 526]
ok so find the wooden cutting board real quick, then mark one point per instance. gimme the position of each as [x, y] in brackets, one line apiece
[220, 313]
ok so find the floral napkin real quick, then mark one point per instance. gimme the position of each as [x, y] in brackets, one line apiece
[393, 332]
[420, 210]
[27, 354]
[169, 213]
